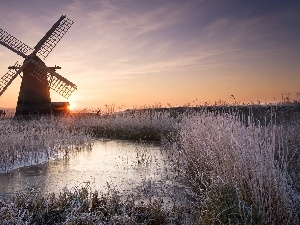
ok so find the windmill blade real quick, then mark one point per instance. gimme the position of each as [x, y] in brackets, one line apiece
[14, 44]
[8, 78]
[53, 36]
[61, 85]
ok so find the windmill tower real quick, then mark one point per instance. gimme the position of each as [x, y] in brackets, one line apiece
[37, 79]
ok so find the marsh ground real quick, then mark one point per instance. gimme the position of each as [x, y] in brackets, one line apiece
[239, 164]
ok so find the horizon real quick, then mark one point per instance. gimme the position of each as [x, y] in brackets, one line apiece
[134, 53]
[112, 108]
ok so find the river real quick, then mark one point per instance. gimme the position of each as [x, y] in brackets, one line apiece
[128, 167]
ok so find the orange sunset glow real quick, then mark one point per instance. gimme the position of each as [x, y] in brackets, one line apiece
[139, 53]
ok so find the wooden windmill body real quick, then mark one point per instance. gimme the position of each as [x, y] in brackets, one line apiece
[34, 95]
[37, 78]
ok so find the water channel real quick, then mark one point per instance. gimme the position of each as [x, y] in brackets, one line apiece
[128, 167]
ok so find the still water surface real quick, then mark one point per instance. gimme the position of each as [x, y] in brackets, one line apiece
[127, 166]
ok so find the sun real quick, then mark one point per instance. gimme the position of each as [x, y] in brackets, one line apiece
[71, 106]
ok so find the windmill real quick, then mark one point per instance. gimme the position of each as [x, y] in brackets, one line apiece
[37, 78]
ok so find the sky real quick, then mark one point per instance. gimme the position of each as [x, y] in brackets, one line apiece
[133, 53]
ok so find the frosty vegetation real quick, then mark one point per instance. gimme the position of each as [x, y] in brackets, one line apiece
[240, 169]
[240, 174]
[29, 142]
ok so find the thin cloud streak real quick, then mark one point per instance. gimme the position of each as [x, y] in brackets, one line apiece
[240, 31]
[123, 41]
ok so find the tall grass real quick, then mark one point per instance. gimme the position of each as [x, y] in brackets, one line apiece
[148, 124]
[246, 166]
[28, 142]
[84, 206]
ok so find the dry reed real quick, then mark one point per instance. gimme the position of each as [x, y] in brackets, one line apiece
[218, 152]
[28, 142]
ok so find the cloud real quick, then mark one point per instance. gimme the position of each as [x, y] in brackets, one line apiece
[123, 41]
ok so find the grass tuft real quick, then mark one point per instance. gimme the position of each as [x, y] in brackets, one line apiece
[83, 206]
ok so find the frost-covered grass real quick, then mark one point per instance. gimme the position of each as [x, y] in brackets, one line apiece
[83, 206]
[240, 174]
[149, 124]
[240, 170]
[29, 142]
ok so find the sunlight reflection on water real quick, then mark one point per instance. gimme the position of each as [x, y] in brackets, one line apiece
[122, 164]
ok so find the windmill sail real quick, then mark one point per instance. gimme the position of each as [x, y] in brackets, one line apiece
[37, 79]
[14, 44]
[53, 36]
[56, 82]
[6, 80]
